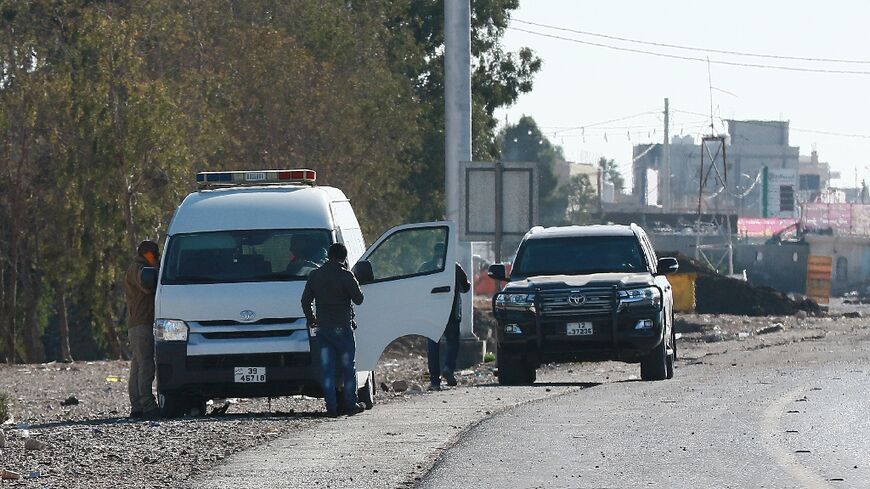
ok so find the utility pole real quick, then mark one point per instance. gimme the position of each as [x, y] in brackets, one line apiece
[666, 178]
[457, 130]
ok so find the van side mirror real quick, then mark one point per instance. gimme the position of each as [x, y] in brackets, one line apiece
[148, 278]
[363, 272]
[667, 266]
[497, 272]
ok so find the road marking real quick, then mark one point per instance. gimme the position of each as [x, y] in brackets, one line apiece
[770, 428]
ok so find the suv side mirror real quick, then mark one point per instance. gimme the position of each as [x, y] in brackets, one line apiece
[148, 278]
[363, 272]
[497, 272]
[667, 266]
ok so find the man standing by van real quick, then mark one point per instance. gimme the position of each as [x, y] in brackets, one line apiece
[333, 287]
[140, 324]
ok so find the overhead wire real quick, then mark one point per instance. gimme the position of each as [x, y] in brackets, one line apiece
[691, 58]
[694, 48]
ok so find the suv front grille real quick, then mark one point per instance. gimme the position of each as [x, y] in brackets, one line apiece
[595, 302]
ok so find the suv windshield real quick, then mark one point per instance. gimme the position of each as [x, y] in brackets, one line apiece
[578, 255]
[244, 256]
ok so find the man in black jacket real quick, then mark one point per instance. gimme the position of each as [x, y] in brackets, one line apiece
[451, 331]
[333, 287]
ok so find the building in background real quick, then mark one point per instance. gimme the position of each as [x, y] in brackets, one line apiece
[762, 172]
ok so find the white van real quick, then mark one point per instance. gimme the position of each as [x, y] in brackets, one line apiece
[228, 314]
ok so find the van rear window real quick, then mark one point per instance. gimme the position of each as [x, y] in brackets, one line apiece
[261, 255]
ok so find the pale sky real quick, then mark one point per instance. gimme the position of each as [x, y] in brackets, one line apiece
[581, 85]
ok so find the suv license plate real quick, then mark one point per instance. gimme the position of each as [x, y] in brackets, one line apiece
[579, 329]
[250, 374]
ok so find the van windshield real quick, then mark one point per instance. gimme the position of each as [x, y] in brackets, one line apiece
[260, 255]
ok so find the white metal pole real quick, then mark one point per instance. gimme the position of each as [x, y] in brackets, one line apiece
[666, 188]
[457, 97]
[457, 129]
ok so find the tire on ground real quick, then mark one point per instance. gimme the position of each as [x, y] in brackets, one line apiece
[654, 365]
[513, 369]
[366, 393]
[171, 405]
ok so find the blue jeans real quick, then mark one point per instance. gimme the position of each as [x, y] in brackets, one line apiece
[337, 345]
[451, 336]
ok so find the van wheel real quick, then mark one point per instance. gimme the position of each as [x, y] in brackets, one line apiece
[654, 365]
[366, 393]
[672, 357]
[197, 406]
[171, 405]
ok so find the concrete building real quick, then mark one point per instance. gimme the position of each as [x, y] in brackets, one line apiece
[565, 170]
[762, 172]
[814, 179]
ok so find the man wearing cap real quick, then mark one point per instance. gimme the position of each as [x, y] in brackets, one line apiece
[333, 287]
[140, 324]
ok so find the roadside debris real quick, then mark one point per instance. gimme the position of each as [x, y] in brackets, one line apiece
[9, 475]
[400, 385]
[718, 294]
[2, 439]
[32, 444]
[773, 328]
[70, 401]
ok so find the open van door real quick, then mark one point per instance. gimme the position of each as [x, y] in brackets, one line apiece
[407, 279]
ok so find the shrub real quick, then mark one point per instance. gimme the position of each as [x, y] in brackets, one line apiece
[489, 357]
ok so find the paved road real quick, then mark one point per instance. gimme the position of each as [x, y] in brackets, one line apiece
[788, 416]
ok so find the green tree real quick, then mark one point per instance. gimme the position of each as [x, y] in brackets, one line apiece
[611, 173]
[498, 78]
[524, 141]
[582, 200]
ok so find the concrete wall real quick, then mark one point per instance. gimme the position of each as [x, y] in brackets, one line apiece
[781, 267]
[851, 253]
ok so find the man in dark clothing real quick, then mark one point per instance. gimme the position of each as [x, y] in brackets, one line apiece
[332, 287]
[451, 331]
[140, 324]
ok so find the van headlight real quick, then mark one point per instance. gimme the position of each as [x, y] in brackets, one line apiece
[646, 296]
[170, 330]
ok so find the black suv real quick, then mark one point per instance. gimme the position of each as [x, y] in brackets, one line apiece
[585, 293]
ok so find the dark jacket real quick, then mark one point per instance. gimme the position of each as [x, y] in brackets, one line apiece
[140, 300]
[461, 287]
[332, 287]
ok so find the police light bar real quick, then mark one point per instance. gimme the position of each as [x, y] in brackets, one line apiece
[259, 177]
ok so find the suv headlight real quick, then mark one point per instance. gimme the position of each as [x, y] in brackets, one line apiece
[514, 301]
[647, 296]
[170, 330]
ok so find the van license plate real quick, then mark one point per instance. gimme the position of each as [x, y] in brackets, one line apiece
[250, 374]
[579, 329]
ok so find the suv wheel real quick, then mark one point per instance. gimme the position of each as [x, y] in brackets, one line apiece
[654, 366]
[513, 369]
[366, 393]
[672, 357]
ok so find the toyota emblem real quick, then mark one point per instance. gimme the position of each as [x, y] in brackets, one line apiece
[576, 300]
[247, 315]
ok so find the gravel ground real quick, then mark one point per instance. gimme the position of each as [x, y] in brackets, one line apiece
[91, 444]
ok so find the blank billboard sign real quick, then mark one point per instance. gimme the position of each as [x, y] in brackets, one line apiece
[480, 192]
[480, 205]
[516, 200]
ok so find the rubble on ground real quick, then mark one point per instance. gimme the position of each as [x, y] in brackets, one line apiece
[718, 294]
